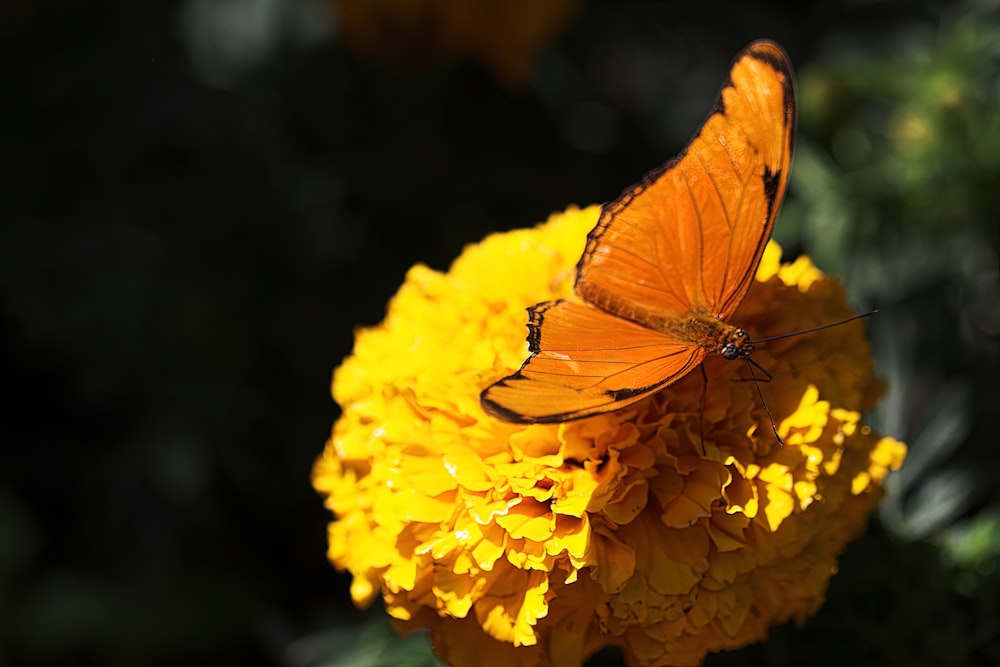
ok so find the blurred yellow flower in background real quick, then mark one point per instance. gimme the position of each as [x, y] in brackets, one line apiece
[504, 36]
[672, 528]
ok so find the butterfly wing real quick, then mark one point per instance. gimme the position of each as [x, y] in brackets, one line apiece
[689, 236]
[584, 362]
[685, 240]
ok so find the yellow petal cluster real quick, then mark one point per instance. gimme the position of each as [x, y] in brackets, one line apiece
[672, 528]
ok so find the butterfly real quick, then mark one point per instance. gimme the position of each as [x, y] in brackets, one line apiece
[668, 262]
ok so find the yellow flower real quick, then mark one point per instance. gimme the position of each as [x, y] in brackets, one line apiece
[505, 36]
[538, 545]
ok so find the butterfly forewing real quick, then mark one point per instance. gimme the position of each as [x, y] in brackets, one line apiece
[689, 236]
[668, 262]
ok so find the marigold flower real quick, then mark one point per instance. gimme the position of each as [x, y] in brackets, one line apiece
[672, 528]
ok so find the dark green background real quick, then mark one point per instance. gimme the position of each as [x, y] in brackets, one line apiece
[201, 199]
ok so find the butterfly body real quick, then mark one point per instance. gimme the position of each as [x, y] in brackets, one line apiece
[699, 326]
[668, 262]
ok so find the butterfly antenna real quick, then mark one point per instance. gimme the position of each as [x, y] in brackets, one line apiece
[819, 328]
[750, 364]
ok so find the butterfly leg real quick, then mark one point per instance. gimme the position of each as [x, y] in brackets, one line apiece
[753, 376]
[701, 408]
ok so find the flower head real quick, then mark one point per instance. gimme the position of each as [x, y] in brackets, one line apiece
[671, 528]
[504, 36]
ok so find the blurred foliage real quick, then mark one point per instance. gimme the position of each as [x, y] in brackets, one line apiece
[373, 644]
[202, 199]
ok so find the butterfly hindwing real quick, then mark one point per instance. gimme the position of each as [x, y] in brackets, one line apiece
[583, 362]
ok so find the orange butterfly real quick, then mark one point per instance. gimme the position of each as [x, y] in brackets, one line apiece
[668, 263]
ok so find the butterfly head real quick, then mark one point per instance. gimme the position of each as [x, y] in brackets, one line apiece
[737, 345]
